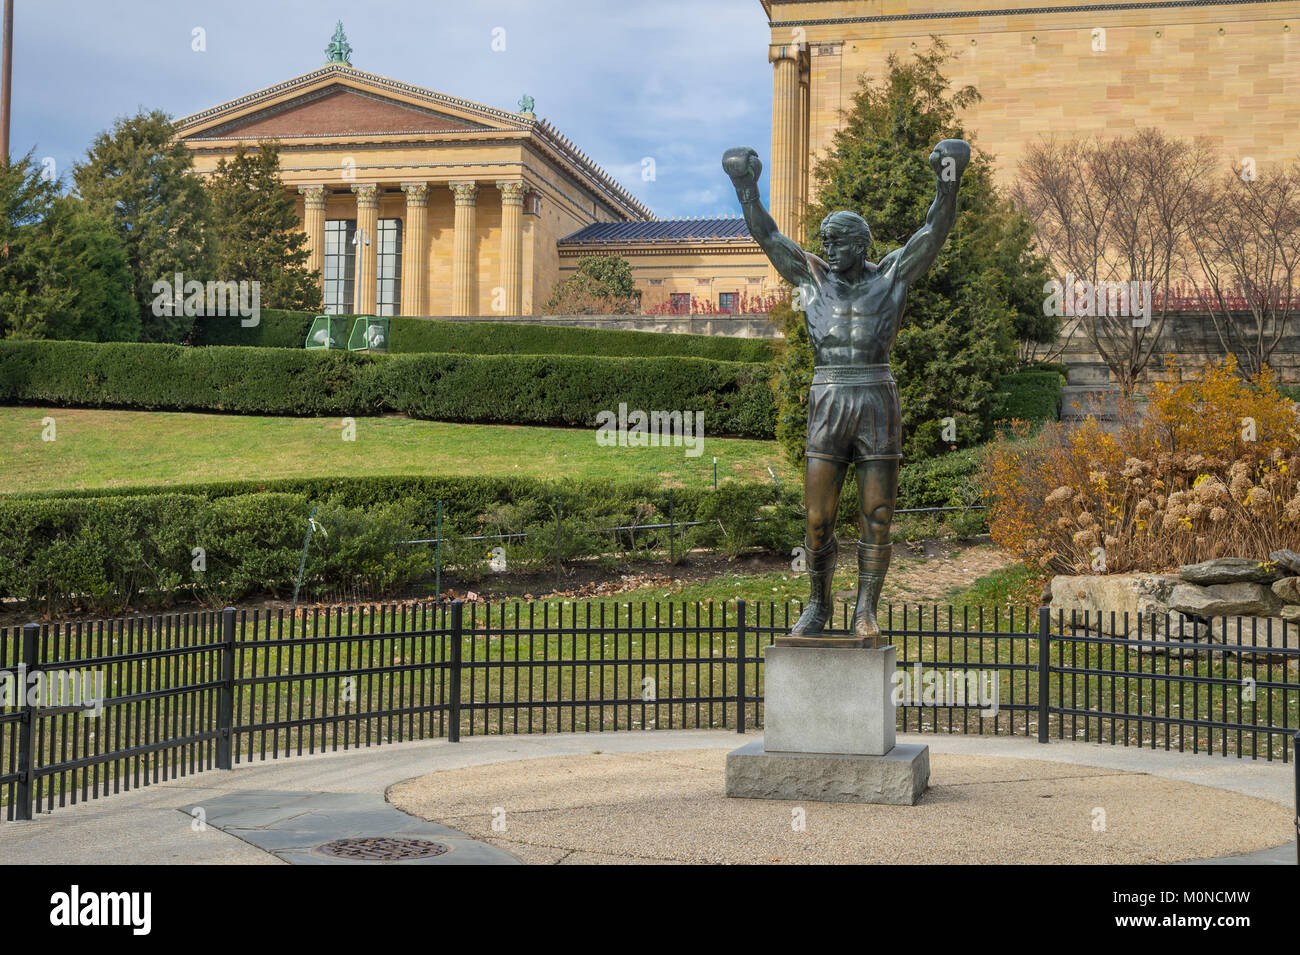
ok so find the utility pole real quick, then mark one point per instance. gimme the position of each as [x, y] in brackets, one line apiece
[6, 85]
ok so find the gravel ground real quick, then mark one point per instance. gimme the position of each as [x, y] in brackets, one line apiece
[661, 807]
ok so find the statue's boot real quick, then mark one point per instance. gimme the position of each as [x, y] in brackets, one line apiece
[873, 563]
[821, 570]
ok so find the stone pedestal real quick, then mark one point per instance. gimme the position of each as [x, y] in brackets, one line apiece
[896, 779]
[829, 701]
[829, 719]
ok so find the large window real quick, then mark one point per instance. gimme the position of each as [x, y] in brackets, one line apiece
[388, 249]
[681, 303]
[727, 302]
[340, 266]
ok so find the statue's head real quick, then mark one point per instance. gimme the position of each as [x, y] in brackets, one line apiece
[846, 229]
[846, 238]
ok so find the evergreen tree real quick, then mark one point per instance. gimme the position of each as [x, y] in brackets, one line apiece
[959, 333]
[63, 273]
[258, 235]
[28, 294]
[140, 180]
[90, 261]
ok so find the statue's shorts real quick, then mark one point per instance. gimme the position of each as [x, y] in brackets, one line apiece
[854, 415]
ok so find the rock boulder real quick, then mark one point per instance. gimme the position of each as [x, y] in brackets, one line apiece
[1287, 559]
[1287, 590]
[1229, 570]
[1224, 600]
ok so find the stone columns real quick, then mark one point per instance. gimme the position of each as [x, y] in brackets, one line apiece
[313, 224]
[512, 244]
[414, 243]
[801, 197]
[464, 282]
[785, 139]
[367, 225]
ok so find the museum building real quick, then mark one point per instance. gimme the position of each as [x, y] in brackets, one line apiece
[419, 203]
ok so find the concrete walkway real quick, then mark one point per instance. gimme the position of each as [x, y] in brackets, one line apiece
[157, 824]
[298, 827]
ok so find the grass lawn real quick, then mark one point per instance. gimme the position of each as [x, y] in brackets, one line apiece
[103, 448]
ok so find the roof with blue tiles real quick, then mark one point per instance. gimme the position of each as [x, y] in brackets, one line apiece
[668, 231]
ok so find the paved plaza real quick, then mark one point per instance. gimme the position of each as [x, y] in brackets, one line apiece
[657, 797]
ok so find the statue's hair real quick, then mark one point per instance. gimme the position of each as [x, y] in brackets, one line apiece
[848, 224]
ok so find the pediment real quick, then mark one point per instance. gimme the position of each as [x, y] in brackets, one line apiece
[338, 101]
[336, 111]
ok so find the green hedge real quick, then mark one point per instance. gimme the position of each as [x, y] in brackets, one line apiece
[948, 480]
[1033, 396]
[1060, 368]
[275, 329]
[135, 547]
[563, 390]
[279, 329]
[103, 551]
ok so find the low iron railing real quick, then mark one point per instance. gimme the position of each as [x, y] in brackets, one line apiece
[187, 692]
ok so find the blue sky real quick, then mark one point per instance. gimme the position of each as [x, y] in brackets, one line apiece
[675, 80]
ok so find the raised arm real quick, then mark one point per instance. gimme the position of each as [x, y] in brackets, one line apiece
[744, 168]
[949, 161]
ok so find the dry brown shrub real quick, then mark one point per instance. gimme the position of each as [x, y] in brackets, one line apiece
[1212, 470]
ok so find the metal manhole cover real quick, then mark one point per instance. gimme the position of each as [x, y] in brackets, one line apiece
[382, 849]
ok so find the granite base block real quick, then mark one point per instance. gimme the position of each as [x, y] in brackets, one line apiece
[897, 778]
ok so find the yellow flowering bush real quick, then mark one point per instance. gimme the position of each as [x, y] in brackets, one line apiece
[1210, 470]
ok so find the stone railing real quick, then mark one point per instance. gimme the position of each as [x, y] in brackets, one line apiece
[756, 325]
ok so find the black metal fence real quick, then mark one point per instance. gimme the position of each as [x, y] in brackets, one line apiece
[175, 694]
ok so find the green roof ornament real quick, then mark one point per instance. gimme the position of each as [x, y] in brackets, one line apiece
[339, 50]
[526, 104]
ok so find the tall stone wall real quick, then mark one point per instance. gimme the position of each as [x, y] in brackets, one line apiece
[1192, 341]
[1228, 70]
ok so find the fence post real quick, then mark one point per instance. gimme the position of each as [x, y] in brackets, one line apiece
[672, 529]
[27, 729]
[559, 529]
[740, 665]
[1295, 761]
[453, 730]
[226, 696]
[437, 556]
[1044, 669]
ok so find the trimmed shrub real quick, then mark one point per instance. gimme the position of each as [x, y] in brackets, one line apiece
[1060, 368]
[948, 480]
[563, 390]
[105, 551]
[279, 329]
[275, 329]
[1032, 396]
